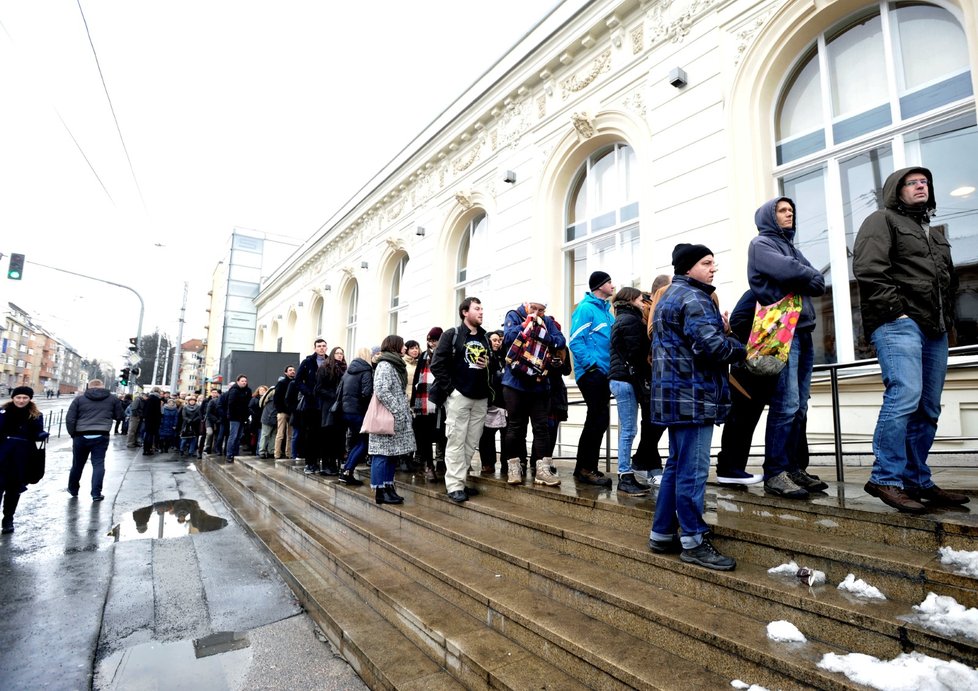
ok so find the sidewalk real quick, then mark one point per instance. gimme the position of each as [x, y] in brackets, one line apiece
[205, 609]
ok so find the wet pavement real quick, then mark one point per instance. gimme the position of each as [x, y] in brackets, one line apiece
[157, 586]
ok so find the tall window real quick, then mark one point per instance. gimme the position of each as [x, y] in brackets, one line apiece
[317, 316]
[473, 265]
[872, 95]
[351, 318]
[601, 229]
[397, 302]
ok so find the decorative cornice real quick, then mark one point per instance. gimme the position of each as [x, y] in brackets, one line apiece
[576, 82]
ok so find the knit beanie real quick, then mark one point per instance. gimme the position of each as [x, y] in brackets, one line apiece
[685, 256]
[598, 279]
[23, 391]
[435, 333]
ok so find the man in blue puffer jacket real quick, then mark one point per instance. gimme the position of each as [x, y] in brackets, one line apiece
[775, 268]
[690, 354]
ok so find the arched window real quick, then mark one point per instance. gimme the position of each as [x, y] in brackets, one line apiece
[352, 306]
[873, 95]
[601, 229]
[317, 316]
[472, 272]
[397, 301]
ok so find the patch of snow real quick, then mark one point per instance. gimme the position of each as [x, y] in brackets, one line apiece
[906, 672]
[791, 569]
[729, 506]
[944, 615]
[738, 684]
[965, 563]
[827, 522]
[785, 632]
[790, 517]
[858, 586]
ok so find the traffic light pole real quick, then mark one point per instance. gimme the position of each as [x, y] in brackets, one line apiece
[142, 306]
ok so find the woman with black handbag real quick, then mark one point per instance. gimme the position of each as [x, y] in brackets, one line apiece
[21, 427]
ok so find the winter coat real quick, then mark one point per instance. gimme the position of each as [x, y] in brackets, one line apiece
[357, 387]
[690, 355]
[153, 410]
[775, 267]
[286, 393]
[903, 265]
[136, 407]
[327, 383]
[512, 328]
[239, 398]
[389, 390]
[559, 402]
[629, 346]
[190, 419]
[212, 413]
[18, 434]
[305, 376]
[170, 420]
[269, 413]
[254, 410]
[94, 412]
[590, 339]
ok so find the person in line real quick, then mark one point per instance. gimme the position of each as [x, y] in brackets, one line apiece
[308, 417]
[212, 420]
[122, 426]
[253, 430]
[191, 417]
[133, 439]
[266, 441]
[560, 367]
[238, 398]
[487, 442]
[690, 355]
[152, 417]
[21, 427]
[283, 412]
[628, 378]
[390, 378]
[907, 286]
[412, 351]
[461, 368]
[428, 418]
[776, 268]
[355, 392]
[590, 342]
[526, 390]
[169, 425]
[328, 439]
[89, 421]
[647, 460]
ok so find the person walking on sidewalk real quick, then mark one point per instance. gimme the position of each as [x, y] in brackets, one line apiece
[461, 368]
[690, 356]
[89, 421]
[907, 287]
[590, 343]
[390, 378]
[21, 427]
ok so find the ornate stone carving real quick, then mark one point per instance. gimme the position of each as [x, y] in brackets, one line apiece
[395, 244]
[464, 199]
[347, 271]
[462, 163]
[584, 124]
[541, 106]
[744, 34]
[395, 208]
[635, 103]
[638, 39]
[576, 82]
[671, 21]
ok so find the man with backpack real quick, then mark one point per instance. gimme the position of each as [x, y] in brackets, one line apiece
[460, 366]
[529, 338]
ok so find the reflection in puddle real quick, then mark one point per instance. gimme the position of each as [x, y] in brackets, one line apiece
[198, 664]
[166, 519]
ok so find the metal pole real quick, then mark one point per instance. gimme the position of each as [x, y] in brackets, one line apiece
[837, 426]
[175, 374]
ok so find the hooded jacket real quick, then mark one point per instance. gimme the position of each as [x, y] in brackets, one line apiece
[775, 267]
[902, 264]
[357, 388]
[590, 339]
[93, 413]
[629, 345]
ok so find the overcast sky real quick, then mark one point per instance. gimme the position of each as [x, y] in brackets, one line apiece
[264, 115]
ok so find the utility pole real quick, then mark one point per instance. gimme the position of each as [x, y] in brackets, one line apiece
[175, 374]
[156, 360]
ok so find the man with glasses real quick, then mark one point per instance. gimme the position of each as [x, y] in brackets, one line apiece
[906, 286]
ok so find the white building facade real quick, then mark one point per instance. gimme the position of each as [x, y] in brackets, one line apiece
[615, 130]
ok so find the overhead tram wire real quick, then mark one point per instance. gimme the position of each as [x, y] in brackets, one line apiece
[111, 107]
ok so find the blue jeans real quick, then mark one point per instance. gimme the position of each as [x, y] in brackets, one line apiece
[683, 489]
[627, 403]
[382, 472]
[235, 429]
[788, 410]
[188, 445]
[81, 448]
[913, 367]
[358, 441]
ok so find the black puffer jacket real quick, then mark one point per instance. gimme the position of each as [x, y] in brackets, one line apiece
[629, 344]
[900, 267]
[357, 387]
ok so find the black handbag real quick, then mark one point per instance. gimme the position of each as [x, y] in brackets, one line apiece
[35, 464]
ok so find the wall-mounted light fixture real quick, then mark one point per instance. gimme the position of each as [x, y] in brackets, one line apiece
[677, 77]
[510, 176]
[364, 265]
[419, 232]
[327, 287]
[279, 316]
[299, 304]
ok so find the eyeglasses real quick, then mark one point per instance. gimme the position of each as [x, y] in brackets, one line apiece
[916, 183]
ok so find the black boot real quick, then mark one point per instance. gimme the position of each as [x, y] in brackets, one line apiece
[380, 496]
[10, 501]
[348, 478]
[391, 495]
[329, 468]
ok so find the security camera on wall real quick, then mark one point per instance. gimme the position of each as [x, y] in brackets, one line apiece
[677, 77]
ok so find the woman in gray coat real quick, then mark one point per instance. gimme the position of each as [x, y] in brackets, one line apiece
[390, 379]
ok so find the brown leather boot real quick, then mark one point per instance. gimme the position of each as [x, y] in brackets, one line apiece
[895, 497]
[935, 496]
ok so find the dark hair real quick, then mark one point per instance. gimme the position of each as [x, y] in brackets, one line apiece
[411, 344]
[626, 294]
[392, 344]
[466, 304]
[239, 377]
[331, 370]
[498, 332]
[318, 341]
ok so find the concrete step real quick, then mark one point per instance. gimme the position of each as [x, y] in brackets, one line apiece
[598, 655]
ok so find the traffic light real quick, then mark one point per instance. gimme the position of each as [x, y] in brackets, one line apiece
[134, 372]
[16, 269]
[132, 345]
[124, 376]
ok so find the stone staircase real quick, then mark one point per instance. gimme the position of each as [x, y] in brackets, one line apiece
[529, 587]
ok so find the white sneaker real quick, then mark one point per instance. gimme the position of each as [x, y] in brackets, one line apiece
[544, 475]
[515, 472]
[655, 480]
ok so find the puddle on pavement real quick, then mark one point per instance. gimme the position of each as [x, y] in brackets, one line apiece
[165, 519]
[218, 661]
